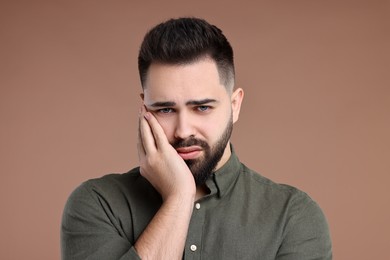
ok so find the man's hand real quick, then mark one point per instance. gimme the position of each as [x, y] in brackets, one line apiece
[159, 162]
[165, 236]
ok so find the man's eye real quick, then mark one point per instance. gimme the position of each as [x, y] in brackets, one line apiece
[165, 110]
[203, 108]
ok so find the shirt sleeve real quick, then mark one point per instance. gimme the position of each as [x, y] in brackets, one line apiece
[87, 232]
[306, 233]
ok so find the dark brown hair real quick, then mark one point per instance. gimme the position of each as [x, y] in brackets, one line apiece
[183, 41]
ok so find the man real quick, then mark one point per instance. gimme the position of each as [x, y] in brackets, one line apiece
[190, 198]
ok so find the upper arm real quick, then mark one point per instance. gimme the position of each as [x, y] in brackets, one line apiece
[306, 234]
[89, 232]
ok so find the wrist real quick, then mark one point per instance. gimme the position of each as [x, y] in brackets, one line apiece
[180, 198]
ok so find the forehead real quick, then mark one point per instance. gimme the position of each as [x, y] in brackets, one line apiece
[177, 83]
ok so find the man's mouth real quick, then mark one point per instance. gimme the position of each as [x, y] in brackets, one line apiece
[189, 152]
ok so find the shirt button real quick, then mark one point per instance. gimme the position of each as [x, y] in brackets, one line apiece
[197, 206]
[193, 248]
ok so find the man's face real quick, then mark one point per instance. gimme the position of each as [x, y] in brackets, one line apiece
[196, 112]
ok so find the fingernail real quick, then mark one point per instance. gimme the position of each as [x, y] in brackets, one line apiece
[147, 115]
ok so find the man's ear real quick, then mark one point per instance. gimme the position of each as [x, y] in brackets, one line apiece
[236, 100]
[142, 96]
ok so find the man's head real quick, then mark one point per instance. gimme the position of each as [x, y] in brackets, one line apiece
[183, 41]
[188, 94]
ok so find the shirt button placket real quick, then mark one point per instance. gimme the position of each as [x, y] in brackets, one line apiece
[195, 233]
[194, 247]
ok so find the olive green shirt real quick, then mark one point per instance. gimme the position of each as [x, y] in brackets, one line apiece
[245, 216]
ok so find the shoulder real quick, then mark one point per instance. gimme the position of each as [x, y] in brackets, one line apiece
[112, 189]
[268, 188]
[301, 220]
[98, 215]
[110, 184]
[289, 202]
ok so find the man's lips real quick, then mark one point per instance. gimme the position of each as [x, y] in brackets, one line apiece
[189, 152]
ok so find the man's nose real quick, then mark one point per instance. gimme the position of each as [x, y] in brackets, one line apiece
[184, 127]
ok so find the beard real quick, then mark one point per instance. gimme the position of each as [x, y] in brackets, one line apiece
[202, 168]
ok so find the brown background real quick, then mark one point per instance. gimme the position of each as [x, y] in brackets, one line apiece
[315, 115]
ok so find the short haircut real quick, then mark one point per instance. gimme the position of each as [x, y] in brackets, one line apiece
[184, 41]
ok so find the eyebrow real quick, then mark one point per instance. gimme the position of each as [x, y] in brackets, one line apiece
[163, 104]
[190, 102]
[201, 102]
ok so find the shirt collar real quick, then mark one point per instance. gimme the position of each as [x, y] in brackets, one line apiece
[224, 177]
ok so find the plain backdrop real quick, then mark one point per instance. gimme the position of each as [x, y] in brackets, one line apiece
[316, 113]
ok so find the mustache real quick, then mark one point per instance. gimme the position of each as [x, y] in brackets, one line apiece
[189, 142]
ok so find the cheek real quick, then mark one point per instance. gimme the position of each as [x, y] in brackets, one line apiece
[206, 130]
[213, 128]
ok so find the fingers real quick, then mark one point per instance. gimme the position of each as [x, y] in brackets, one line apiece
[140, 145]
[157, 131]
[146, 135]
[151, 134]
